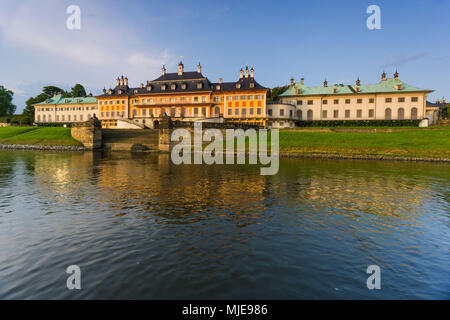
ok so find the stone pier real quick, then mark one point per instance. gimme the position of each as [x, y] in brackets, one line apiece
[89, 133]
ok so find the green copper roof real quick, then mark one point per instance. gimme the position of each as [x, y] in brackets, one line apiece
[390, 85]
[59, 99]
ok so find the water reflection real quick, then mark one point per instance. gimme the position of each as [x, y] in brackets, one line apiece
[145, 228]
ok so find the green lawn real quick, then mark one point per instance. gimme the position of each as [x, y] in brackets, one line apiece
[416, 142]
[54, 136]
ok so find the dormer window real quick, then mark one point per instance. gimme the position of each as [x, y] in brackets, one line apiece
[184, 86]
[299, 91]
[120, 91]
[252, 84]
[173, 86]
[399, 87]
[163, 87]
[110, 91]
[135, 91]
[335, 90]
[149, 88]
[358, 89]
[218, 87]
[238, 85]
[199, 85]
[66, 101]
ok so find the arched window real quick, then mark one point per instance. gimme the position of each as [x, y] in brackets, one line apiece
[401, 114]
[43, 118]
[310, 115]
[134, 112]
[414, 113]
[299, 114]
[388, 114]
[216, 111]
[39, 118]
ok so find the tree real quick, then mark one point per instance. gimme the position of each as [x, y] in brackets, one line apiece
[7, 108]
[274, 92]
[78, 91]
[445, 111]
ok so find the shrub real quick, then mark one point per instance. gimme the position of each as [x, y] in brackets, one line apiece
[360, 123]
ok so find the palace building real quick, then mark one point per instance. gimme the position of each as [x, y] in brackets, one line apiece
[65, 110]
[390, 99]
[184, 96]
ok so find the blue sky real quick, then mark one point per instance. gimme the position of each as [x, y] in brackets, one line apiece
[280, 39]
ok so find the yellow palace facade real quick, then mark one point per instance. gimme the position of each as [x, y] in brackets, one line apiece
[185, 96]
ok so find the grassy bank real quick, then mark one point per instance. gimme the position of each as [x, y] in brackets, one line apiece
[37, 136]
[410, 142]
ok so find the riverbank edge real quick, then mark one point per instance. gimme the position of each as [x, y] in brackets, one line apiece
[34, 147]
[322, 156]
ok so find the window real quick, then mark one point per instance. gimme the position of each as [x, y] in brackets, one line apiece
[336, 114]
[217, 111]
[230, 112]
[336, 101]
[414, 99]
[195, 111]
[229, 98]
[414, 113]
[371, 100]
[243, 112]
[281, 112]
[204, 111]
[259, 97]
[195, 99]
[251, 111]
[310, 115]
[216, 99]
[290, 113]
[203, 99]
[236, 98]
[347, 101]
[172, 112]
[347, 113]
[371, 113]
[258, 111]
[401, 114]
[299, 114]
[102, 115]
[388, 100]
[310, 102]
[359, 101]
[387, 114]
[325, 102]
[236, 112]
[144, 112]
[251, 97]
[299, 102]
[270, 112]
[359, 113]
[401, 99]
[243, 97]
[324, 114]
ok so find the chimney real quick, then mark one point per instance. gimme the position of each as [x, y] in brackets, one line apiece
[121, 81]
[325, 83]
[126, 81]
[220, 80]
[199, 68]
[180, 68]
[241, 74]
[292, 81]
[383, 76]
[104, 91]
[246, 71]
[252, 72]
[358, 82]
[142, 85]
[396, 75]
[302, 81]
[118, 81]
[163, 70]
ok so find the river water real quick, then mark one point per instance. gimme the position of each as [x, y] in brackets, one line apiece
[141, 227]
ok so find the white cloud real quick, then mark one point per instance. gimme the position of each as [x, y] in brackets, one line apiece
[92, 55]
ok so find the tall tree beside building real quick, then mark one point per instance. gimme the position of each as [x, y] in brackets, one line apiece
[78, 91]
[7, 108]
[274, 92]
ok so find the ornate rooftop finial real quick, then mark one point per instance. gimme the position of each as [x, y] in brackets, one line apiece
[396, 74]
[199, 67]
[358, 82]
[383, 76]
[325, 83]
